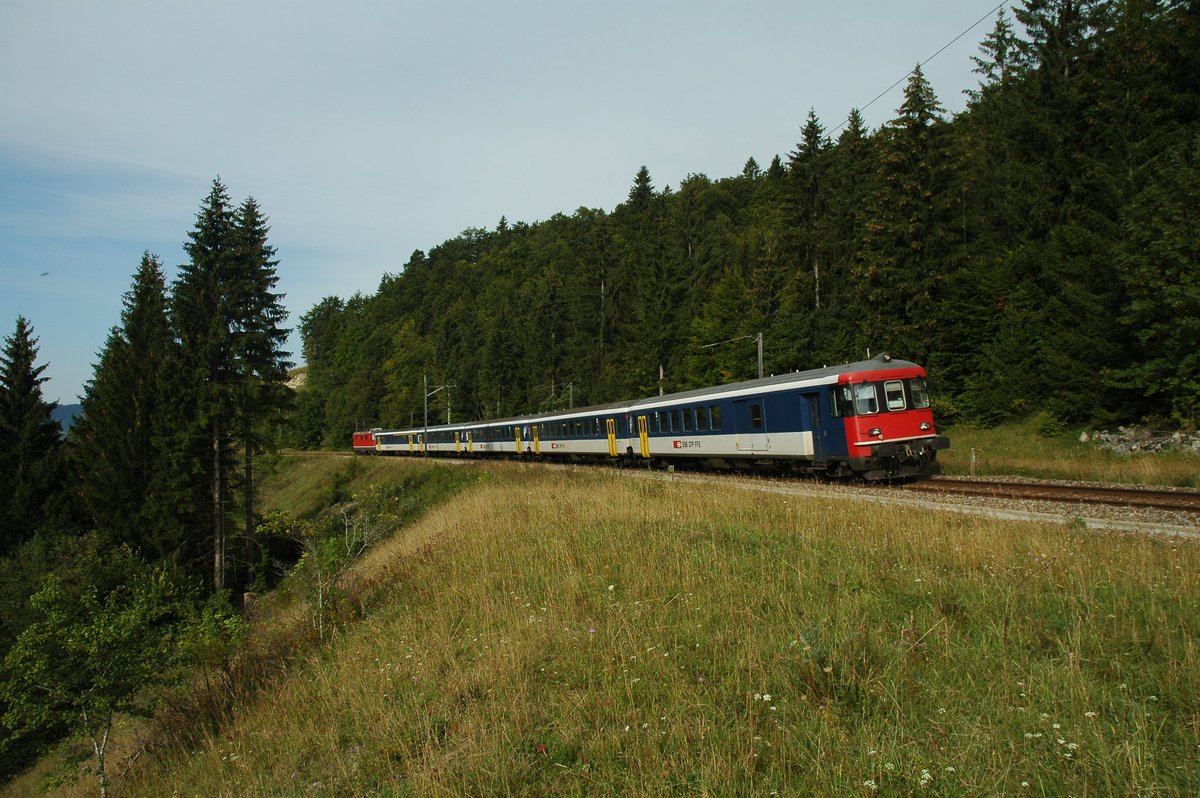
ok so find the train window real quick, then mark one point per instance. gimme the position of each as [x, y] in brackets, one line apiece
[689, 420]
[756, 419]
[920, 395]
[866, 400]
[675, 425]
[715, 413]
[701, 419]
[841, 401]
[663, 424]
[595, 426]
[893, 392]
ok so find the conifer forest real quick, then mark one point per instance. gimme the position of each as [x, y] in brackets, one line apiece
[1038, 253]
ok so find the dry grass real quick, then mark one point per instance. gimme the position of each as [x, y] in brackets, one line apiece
[563, 633]
[1020, 450]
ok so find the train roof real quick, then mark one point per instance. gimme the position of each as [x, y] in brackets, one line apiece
[880, 362]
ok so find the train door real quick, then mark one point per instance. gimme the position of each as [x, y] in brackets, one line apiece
[813, 422]
[751, 424]
[644, 435]
[537, 438]
[611, 423]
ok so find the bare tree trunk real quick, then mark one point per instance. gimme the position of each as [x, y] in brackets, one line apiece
[218, 516]
[100, 746]
[248, 487]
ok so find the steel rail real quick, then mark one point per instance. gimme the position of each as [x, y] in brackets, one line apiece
[1157, 498]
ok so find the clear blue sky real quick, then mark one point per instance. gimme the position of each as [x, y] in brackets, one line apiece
[367, 129]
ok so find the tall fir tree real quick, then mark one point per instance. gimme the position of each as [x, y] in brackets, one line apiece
[202, 317]
[1160, 265]
[118, 462]
[30, 441]
[257, 347]
[902, 267]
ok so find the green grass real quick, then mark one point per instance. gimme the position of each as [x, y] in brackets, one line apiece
[570, 633]
[1021, 450]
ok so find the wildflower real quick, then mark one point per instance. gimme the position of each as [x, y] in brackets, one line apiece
[1024, 784]
[870, 784]
[1056, 726]
[949, 768]
[888, 766]
[1152, 698]
[1089, 714]
[767, 698]
[612, 587]
[592, 631]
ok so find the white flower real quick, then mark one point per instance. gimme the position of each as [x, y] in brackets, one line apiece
[870, 784]
[766, 698]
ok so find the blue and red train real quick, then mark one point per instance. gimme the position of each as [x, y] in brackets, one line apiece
[869, 420]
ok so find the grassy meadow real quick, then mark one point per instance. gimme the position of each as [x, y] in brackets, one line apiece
[578, 633]
[1022, 449]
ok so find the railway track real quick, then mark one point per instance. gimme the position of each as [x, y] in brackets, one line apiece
[1157, 498]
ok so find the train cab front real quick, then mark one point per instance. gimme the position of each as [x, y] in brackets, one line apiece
[890, 431]
[365, 442]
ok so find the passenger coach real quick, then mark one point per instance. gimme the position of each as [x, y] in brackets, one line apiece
[870, 419]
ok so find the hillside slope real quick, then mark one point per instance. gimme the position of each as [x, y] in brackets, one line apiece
[565, 632]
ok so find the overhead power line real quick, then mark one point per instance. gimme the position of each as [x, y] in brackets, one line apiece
[908, 74]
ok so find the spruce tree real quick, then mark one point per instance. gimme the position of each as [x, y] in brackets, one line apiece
[115, 450]
[257, 342]
[203, 317]
[1160, 266]
[902, 265]
[30, 440]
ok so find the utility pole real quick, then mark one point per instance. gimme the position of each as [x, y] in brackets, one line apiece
[428, 393]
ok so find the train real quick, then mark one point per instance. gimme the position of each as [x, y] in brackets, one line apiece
[870, 420]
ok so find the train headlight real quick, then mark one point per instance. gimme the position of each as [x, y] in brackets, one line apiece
[875, 432]
[925, 426]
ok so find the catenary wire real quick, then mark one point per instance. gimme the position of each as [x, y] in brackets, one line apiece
[908, 74]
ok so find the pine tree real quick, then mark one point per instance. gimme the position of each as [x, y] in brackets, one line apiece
[114, 444]
[257, 346]
[1160, 266]
[202, 316]
[997, 54]
[30, 440]
[902, 265]
[851, 176]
